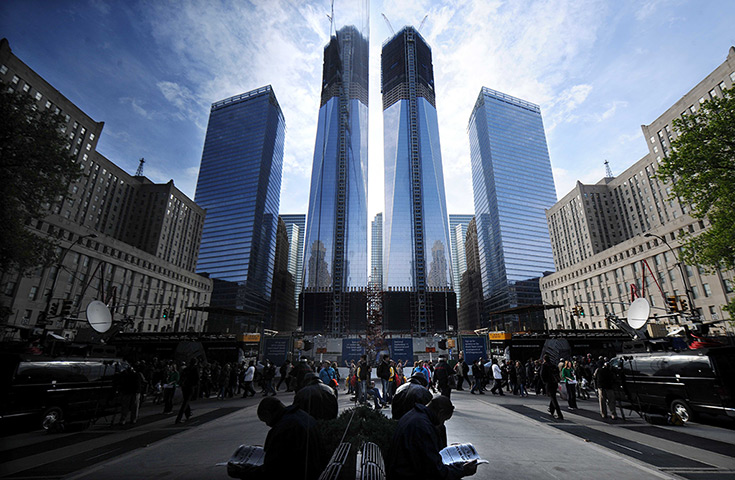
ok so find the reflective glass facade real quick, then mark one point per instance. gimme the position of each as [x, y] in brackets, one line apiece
[417, 266]
[416, 248]
[335, 252]
[513, 186]
[376, 251]
[296, 228]
[239, 186]
[457, 232]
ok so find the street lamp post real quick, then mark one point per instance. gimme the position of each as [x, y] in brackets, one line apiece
[684, 278]
[59, 266]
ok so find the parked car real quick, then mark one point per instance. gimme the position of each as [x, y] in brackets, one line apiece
[685, 383]
[47, 392]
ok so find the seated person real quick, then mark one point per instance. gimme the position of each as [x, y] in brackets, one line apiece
[375, 393]
[293, 446]
[417, 441]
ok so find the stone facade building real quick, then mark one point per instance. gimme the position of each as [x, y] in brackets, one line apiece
[619, 238]
[122, 239]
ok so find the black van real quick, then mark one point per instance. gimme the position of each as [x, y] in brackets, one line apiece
[686, 383]
[44, 393]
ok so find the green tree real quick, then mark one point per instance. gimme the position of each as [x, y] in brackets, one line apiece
[702, 167]
[36, 168]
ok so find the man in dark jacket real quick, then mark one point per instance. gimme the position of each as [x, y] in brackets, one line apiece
[417, 441]
[478, 372]
[549, 374]
[293, 446]
[384, 375]
[605, 382]
[363, 377]
[189, 385]
[316, 398]
[441, 376]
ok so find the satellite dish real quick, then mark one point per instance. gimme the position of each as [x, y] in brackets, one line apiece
[98, 316]
[638, 313]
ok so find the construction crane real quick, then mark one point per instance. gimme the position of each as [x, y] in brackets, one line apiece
[390, 27]
[422, 22]
[139, 171]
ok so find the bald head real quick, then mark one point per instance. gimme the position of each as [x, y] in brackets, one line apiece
[269, 409]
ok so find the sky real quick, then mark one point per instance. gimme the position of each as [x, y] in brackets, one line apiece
[151, 70]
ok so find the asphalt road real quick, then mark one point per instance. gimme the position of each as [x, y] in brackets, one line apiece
[515, 434]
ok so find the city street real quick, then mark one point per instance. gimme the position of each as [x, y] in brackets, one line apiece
[515, 434]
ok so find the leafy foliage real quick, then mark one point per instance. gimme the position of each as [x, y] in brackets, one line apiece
[702, 166]
[36, 168]
[367, 426]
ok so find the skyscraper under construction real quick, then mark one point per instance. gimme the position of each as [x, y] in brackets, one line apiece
[335, 253]
[417, 273]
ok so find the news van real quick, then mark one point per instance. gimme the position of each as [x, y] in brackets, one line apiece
[686, 383]
[47, 392]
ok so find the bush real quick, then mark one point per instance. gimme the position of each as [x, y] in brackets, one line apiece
[367, 425]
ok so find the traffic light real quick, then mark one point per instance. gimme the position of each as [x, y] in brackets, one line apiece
[165, 313]
[575, 311]
[66, 308]
[443, 343]
[308, 345]
[684, 305]
[581, 311]
[54, 308]
[671, 302]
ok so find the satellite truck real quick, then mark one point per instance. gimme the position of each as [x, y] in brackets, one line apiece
[675, 385]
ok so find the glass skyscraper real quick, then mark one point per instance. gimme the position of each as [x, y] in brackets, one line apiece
[296, 228]
[335, 257]
[513, 186]
[239, 185]
[457, 232]
[416, 248]
[376, 251]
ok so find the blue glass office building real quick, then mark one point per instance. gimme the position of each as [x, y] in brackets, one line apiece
[513, 185]
[335, 257]
[416, 248]
[239, 185]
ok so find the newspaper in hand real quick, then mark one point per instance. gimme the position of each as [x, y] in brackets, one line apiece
[460, 453]
[245, 458]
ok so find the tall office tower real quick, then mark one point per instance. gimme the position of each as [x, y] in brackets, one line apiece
[469, 315]
[376, 251]
[295, 228]
[240, 185]
[417, 278]
[335, 263]
[513, 186]
[457, 232]
[283, 304]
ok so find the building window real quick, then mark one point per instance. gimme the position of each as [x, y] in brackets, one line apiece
[695, 292]
[728, 286]
[3, 69]
[707, 290]
[32, 293]
[26, 88]
[39, 96]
